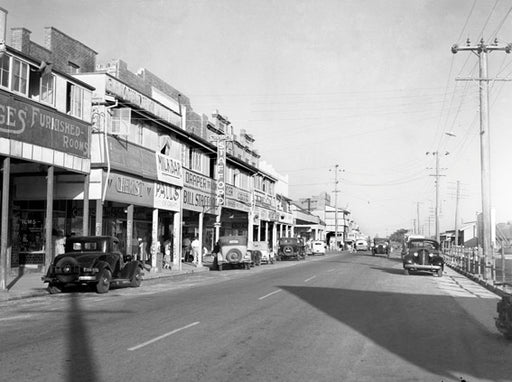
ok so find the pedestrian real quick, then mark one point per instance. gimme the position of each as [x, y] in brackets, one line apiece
[196, 249]
[167, 253]
[186, 249]
[142, 254]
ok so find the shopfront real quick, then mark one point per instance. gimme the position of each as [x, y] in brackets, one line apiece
[235, 212]
[199, 211]
[264, 217]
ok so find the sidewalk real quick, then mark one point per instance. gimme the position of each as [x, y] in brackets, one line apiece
[29, 283]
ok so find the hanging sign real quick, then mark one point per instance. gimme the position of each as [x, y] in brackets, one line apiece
[221, 172]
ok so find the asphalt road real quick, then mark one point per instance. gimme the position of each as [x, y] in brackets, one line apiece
[343, 317]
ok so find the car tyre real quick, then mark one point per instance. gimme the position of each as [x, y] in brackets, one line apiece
[136, 278]
[219, 267]
[439, 273]
[103, 285]
[406, 272]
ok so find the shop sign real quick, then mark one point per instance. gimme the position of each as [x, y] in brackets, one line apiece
[36, 124]
[285, 217]
[130, 190]
[236, 205]
[126, 93]
[264, 200]
[238, 194]
[198, 181]
[169, 170]
[221, 172]
[167, 197]
[199, 201]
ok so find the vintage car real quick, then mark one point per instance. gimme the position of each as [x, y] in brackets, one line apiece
[260, 253]
[504, 320]
[380, 247]
[423, 255]
[233, 251]
[361, 245]
[291, 248]
[318, 247]
[95, 261]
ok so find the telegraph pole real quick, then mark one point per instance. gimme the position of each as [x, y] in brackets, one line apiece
[418, 216]
[457, 214]
[481, 49]
[336, 168]
[437, 175]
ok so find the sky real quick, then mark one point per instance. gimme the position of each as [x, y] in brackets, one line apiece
[370, 86]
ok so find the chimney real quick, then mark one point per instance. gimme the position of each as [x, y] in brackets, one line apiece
[3, 25]
[20, 39]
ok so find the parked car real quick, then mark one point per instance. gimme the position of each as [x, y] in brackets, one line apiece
[233, 251]
[423, 255]
[93, 260]
[260, 253]
[318, 247]
[381, 247]
[291, 248]
[361, 245]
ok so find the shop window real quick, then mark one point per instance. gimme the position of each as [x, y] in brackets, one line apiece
[5, 65]
[74, 100]
[19, 80]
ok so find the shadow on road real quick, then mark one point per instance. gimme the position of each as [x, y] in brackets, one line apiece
[80, 359]
[413, 327]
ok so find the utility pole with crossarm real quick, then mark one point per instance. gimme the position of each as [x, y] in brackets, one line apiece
[481, 50]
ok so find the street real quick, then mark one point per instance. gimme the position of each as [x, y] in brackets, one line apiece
[342, 317]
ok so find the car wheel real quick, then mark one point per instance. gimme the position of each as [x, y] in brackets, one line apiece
[54, 288]
[103, 284]
[406, 272]
[68, 270]
[136, 278]
[219, 267]
[439, 273]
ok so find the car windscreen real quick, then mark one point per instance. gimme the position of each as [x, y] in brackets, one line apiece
[423, 245]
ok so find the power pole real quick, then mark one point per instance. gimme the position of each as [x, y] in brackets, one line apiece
[437, 175]
[418, 216]
[336, 168]
[457, 214]
[481, 49]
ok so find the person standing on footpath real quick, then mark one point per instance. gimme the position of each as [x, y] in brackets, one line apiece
[196, 249]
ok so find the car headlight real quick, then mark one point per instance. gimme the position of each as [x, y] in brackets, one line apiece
[415, 254]
[430, 255]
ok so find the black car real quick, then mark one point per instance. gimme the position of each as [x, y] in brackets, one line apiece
[423, 255]
[95, 261]
[380, 247]
[291, 248]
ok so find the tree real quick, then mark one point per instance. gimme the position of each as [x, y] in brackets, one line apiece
[398, 235]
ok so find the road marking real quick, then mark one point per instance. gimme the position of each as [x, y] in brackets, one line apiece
[163, 336]
[311, 278]
[16, 317]
[270, 294]
[331, 270]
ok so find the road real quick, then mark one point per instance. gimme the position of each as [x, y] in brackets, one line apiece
[342, 317]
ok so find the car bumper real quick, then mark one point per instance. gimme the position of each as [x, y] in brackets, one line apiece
[419, 267]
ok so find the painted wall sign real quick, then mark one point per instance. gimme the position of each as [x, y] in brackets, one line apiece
[198, 192]
[126, 93]
[169, 170]
[131, 190]
[262, 199]
[167, 197]
[221, 172]
[24, 121]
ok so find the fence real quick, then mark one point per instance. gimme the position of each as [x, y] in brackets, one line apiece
[471, 261]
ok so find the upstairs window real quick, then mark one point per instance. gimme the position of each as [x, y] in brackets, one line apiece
[4, 70]
[48, 88]
[75, 100]
[19, 76]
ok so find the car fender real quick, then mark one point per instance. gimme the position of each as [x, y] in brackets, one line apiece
[130, 268]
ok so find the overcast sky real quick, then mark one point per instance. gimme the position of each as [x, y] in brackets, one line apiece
[366, 84]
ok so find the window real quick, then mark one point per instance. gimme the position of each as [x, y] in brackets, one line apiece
[4, 70]
[47, 88]
[19, 76]
[75, 100]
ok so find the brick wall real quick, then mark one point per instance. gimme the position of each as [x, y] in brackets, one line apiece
[59, 48]
[66, 49]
